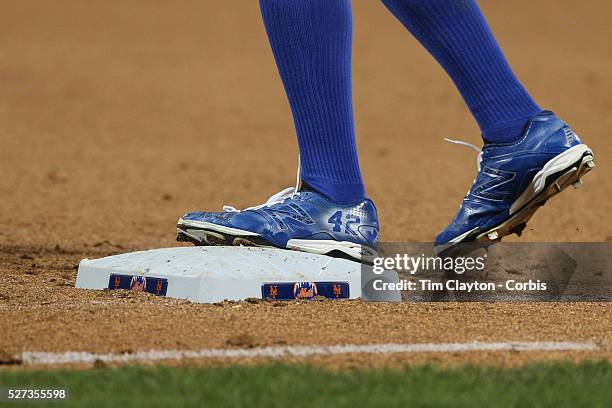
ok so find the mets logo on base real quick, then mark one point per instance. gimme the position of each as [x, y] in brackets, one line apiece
[138, 283]
[305, 290]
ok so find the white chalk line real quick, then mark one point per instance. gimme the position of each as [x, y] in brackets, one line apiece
[77, 357]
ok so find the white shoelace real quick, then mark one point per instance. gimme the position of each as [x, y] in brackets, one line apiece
[292, 191]
[472, 146]
[274, 199]
[478, 159]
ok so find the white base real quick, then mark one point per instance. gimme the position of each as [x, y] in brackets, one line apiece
[217, 273]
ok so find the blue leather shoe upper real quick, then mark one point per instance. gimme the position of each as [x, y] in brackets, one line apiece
[304, 215]
[505, 171]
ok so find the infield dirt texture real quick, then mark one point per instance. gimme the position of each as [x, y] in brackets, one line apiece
[116, 117]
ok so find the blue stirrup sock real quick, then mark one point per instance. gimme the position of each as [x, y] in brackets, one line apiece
[456, 33]
[311, 42]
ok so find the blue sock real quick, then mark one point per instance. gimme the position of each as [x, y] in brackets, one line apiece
[311, 42]
[456, 33]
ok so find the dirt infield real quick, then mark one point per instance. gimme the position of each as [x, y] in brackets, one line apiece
[118, 117]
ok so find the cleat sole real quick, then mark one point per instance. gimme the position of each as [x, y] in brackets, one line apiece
[334, 249]
[554, 184]
[559, 173]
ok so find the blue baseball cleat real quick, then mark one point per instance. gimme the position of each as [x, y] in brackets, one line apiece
[515, 179]
[292, 219]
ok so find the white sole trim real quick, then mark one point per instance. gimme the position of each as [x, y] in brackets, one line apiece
[559, 163]
[215, 227]
[325, 246]
[462, 236]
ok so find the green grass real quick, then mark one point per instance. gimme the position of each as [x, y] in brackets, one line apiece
[555, 385]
